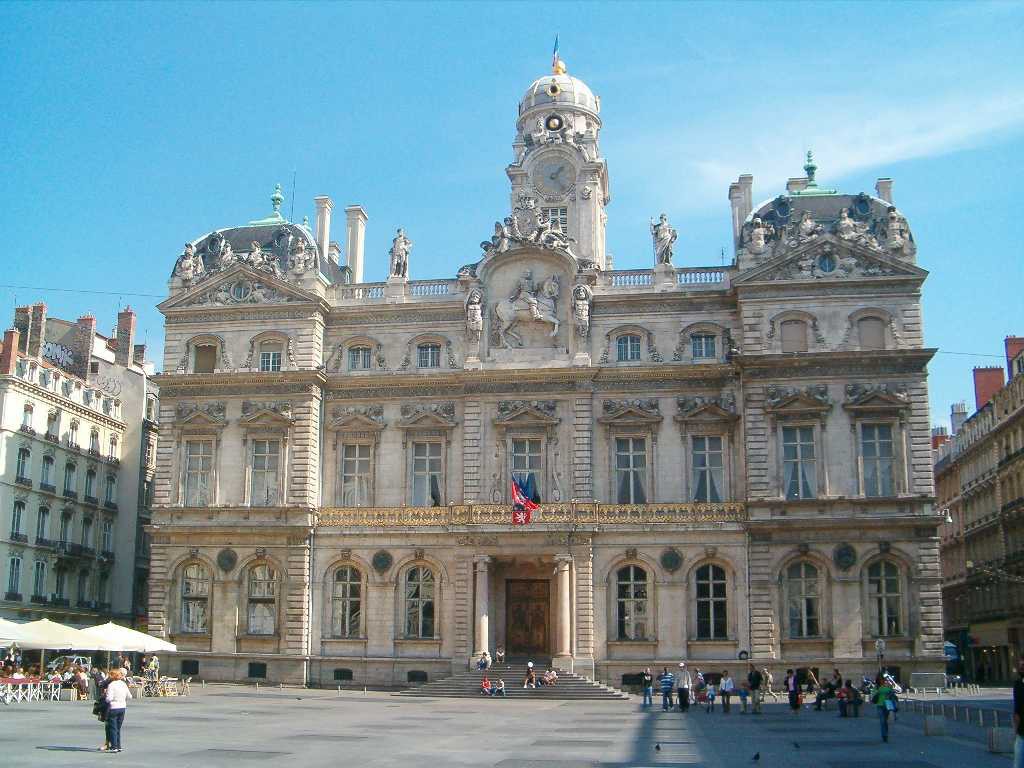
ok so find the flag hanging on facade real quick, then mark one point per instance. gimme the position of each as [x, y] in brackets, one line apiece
[522, 507]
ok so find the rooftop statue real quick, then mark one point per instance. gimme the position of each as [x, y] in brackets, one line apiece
[401, 247]
[664, 239]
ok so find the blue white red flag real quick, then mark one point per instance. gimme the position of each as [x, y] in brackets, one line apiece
[554, 54]
[522, 506]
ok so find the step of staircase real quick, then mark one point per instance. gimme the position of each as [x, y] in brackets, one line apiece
[466, 685]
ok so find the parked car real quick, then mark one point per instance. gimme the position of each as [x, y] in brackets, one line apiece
[58, 663]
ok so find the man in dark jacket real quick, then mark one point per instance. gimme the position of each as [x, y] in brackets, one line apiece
[754, 681]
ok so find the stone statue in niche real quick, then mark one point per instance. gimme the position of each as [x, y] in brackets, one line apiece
[474, 315]
[190, 266]
[758, 237]
[808, 227]
[401, 247]
[895, 230]
[845, 227]
[527, 302]
[581, 296]
[664, 239]
[301, 260]
[225, 256]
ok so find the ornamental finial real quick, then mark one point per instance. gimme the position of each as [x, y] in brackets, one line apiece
[810, 168]
[276, 199]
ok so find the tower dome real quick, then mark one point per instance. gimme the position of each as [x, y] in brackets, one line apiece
[559, 89]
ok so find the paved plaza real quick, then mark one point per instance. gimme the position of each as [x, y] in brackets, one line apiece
[236, 726]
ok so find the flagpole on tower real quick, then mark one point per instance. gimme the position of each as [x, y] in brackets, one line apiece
[557, 65]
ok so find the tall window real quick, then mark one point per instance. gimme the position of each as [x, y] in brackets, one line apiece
[46, 478]
[26, 417]
[42, 524]
[110, 492]
[24, 459]
[262, 600]
[708, 470]
[526, 466]
[794, 336]
[266, 456]
[711, 603]
[703, 346]
[94, 441]
[198, 472]
[39, 578]
[14, 574]
[52, 424]
[83, 586]
[877, 457]
[195, 596]
[346, 602]
[16, 517]
[90, 484]
[70, 484]
[426, 474]
[871, 331]
[798, 462]
[73, 434]
[803, 599]
[112, 447]
[359, 359]
[559, 218]
[107, 535]
[102, 582]
[631, 470]
[428, 356]
[627, 348]
[884, 598]
[631, 603]
[270, 356]
[60, 586]
[65, 527]
[205, 360]
[87, 532]
[419, 602]
[355, 474]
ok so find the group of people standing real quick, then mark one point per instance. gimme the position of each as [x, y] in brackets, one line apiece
[688, 688]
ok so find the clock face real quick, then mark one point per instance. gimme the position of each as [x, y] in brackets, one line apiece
[554, 177]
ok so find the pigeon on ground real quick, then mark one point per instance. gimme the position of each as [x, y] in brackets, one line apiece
[796, 745]
[757, 756]
[657, 747]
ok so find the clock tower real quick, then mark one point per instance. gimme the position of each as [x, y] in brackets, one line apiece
[558, 163]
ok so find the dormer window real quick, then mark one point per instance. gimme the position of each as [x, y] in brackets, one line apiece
[702, 346]
[270, 356]
[428, 356]
[359, 359]
[205, 358]
[627, 348]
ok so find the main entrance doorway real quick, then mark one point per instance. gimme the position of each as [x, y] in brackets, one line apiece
[526, 616]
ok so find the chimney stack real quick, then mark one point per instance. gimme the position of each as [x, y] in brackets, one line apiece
[939, 437]
[883, 189]
[1014, 346]
[125, 337]
[9, 354]
[139, 354]
[957, 416]
[22, 321]
[85, 333]
[355, 236]
[741, 200]
[987, 381]
[796, 184]
[323, 224]
[36, 330]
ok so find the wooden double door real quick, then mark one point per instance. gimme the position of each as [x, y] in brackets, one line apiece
[527, 617]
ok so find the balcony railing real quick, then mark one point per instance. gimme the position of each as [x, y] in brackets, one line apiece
[89, 604]
[47, 487]
[70, 494]
[554, 514]
[362, 291]
[70, 548]
[26, 481]
[53, 437]
[19, 537]
[14, 596]
[63, 602]
[91, 500]
[104, 607]
[430, 287]
[700, 276]
[39, 599]
[42, 541]
[27, 429]
[111, 505]
[629, 278]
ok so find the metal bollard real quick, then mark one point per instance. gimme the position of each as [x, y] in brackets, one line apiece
[257, 686]
[339, 691]
[954, 713]
[204, 685]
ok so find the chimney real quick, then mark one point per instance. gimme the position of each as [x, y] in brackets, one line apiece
[36, 330]
[883, 189]
[987, 381]
[323, 224]
[1014, 346]
[736, 202]
[796, 184]
[85, 332]
[22, 320]
[747, 185]
[939, 437]
[125, 337]
[355, 235]
[9, 354]
[139, 354]
[957, 416]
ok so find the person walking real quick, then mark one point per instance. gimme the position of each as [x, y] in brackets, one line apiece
[667, 682]
[882, 698]
[793, 691]
[117, 695]
[685, 683]
[1018, 715]
[727, 688]
[768, 681]
[648, 683]
[754, 681]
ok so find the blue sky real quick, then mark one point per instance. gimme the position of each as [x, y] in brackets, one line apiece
[129, 129]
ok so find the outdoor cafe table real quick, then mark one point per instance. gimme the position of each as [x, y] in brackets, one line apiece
[21, 689]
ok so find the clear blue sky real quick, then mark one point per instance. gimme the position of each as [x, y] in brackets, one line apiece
[128, 129]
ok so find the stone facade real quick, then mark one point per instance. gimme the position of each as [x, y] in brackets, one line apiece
[730, 461]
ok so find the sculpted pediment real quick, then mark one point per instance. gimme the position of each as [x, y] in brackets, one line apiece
[812, 400]
[201, 414]
[642, 412]
[241, 285]
[876, 398]
[428, 416]
[358, 418]
[527, 413]
[273, 414]
[696, 410]
[827, 257]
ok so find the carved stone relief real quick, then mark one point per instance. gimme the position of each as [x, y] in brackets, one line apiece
[216, 411]
[507, 408]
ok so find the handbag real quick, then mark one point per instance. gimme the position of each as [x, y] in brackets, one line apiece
[890, 706]
[100, 710]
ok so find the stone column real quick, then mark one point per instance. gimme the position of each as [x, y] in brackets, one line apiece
[563, 645]
[483, 592]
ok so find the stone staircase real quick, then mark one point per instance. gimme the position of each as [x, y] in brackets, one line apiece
[467, 685]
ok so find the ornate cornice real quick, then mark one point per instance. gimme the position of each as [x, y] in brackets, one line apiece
[835, 364]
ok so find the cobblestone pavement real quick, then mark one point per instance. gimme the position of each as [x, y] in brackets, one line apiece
[233, 726]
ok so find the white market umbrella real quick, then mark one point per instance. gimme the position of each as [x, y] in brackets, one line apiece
[114, 637]
[26, 637]
[49, 634]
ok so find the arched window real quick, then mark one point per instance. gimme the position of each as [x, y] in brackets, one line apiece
[90, 484]
[627, 348]
[794, 336]
[46, 478]
[195, 599]
[631, 603]
[262, 611]
[803, 599]
[419, 603]
[711, 603]
[346, 602]
[24, 459]
[885, 599]
[871, 333]
[359, 358]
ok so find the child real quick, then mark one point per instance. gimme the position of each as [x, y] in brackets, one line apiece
[711, 698]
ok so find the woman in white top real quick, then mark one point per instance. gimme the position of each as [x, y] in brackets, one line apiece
[117, 699]
[726, 686]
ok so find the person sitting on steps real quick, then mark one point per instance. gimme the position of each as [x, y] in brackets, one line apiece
[485, 687]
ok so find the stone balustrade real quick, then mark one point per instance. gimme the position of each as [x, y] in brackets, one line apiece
[702, 276]
[431, 287]
[578, 513]
[631, 278]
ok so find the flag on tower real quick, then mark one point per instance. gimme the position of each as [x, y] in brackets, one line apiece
[522, 506]
[554, 55]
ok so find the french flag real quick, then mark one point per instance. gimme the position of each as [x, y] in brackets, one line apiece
[522, 507]
[554, 55]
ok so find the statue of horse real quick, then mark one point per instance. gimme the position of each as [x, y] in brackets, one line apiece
[509, 313]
